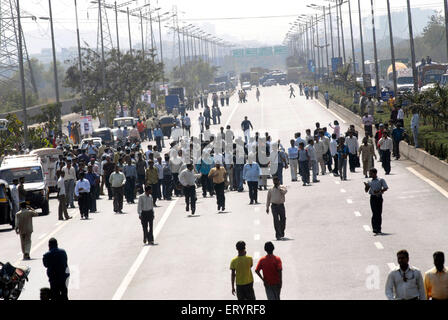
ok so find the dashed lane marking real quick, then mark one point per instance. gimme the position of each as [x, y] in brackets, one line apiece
[256, 237]
[256, 222]
[357, 213]
[141, 257]
[343, 191]
[367, 228]
[42, 236]
[379, 246]
[337, 182]
[349, 201]
[430, 182]
[256, 209]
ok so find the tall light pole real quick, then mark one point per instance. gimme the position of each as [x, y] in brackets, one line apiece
[362, 41]
[331, 31]
[119, 60]
[377, 76]
[55, 70]
[81, 76]
[411, 39]
[392, 50]
[351, 32]
[22, 77]
[129, 30]
[103, 66]
[342, 30]
[445, 3]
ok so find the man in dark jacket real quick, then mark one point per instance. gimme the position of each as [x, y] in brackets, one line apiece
[55, 260]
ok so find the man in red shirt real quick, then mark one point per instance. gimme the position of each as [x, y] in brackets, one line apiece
[272, 272]
[141, 127]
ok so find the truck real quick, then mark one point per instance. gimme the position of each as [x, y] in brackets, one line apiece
[245, 77]
[292, 75]
[179, 91]
[171, 101]
[254, 79]
[405, 80]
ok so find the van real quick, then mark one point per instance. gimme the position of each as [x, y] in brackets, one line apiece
[30, 167]
[49, 157]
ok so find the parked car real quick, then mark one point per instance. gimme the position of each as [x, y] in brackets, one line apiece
[96, 141]
[106, 135]
[246, 86]
[29, 167]
[48, 157]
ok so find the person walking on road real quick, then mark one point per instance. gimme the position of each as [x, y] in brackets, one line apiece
[246, 125]
[276, 198]
[62, 208]
[327, 99]
[385, 145]
[218, 175]
[415, 125]
[301, 88]
[241, 273]
[397, 136]
[145, 209]
[258, 95]
[94, 180]
[291, 90]
[367, 153]
[152, 180]
[251, 174]
[293, 157]
[313, 159]
[82, 192]
[188, 180]
[117, 180]
[405, 282]
[307, 92]
[343, 152]
[130, 172]
[316, 91]
[304, 164]
[436, 279]
[376, 188]
[24, 228]
[352, 143]
[271, 266]
[55, 260]
[70, 178]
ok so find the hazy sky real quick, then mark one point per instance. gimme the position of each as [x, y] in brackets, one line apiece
[209, 14]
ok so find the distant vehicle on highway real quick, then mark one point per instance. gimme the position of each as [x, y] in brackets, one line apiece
[246, 86]
[269, 83]
[123, 122]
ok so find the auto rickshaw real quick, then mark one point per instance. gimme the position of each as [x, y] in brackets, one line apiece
[105, 134]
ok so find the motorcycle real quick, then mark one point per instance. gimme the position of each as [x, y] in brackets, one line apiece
[12, 281]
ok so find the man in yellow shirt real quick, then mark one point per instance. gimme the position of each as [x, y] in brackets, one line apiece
[218, 175]
[241, 272]
[436, 279]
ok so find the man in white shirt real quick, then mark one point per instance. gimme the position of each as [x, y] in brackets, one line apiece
[187, 123]
[299, 139]
[70, 178]
[400, 116]
[201, 120]
[15, 197]
[386, 146]
[159, 165]
[188, 178]
[117, 181]
[415, 126]
[352, 143]
[145, 209]
[313, 159]
[405, 282]
[82, 191]
[61, 197]
[293, 158]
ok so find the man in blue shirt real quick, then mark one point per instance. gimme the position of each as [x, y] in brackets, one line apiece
[304, 168]
[204, 169]
[159, 136]
[251, 174]
[55, 260]
[94, 180]
[130, 172]
[414, 126]
[293, 157]
[397, 136]
[246, 125]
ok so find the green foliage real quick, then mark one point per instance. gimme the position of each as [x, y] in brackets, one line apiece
[49, 116]
[125, 81]
[194, 76]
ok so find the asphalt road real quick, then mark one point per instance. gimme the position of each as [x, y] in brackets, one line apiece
[330, 253]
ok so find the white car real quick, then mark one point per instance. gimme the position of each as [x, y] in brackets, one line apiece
[246, 86]
[428, 87]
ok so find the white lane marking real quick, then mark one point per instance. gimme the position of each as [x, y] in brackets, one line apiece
[379, 246]
[58, 223]
[349, 201]
[391, 265]
[42, 236]
[343, 121]
[231, 115]
[406, 197]
[256, 255]
[256, 209]
[431, 183]
[367, 228]
[141, 257]
[256, 237]
[343, 191]
[357, 213]
[256, 222]
[337, 182]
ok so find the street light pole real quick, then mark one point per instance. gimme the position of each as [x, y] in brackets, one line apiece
[331, 31]
[22, 77]
[445, 2]
[81, 77]
[337, 24]
[411, 39]
[362, 41]
[342, 31]
[377, 76]
[143, 39]
[119, 60]
[392, 50]
[161, 50]
[326, 40]
[318, 49]
[353, 44]
[129, 30]
[55, 70]
[103, 66]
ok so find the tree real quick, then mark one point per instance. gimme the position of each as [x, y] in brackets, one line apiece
[194, 75]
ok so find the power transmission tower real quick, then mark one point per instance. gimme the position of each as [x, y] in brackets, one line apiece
[9, 44]
[104, 27]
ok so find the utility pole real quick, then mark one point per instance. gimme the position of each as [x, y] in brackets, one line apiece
[326, 40]
[143, 38]
[81, 76]
[331, 31]
[362, 41]
[129, 30]
[161, 50]
[411, 39]
[55, 70]
[103, 67]
[152, 35]
[445, 2]
[377, 76]
[318, 49]
[353, 44]
[337, 24]
[392, 50]
[22, 77]
[342, 31]
[119, 60]
[307, 43]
